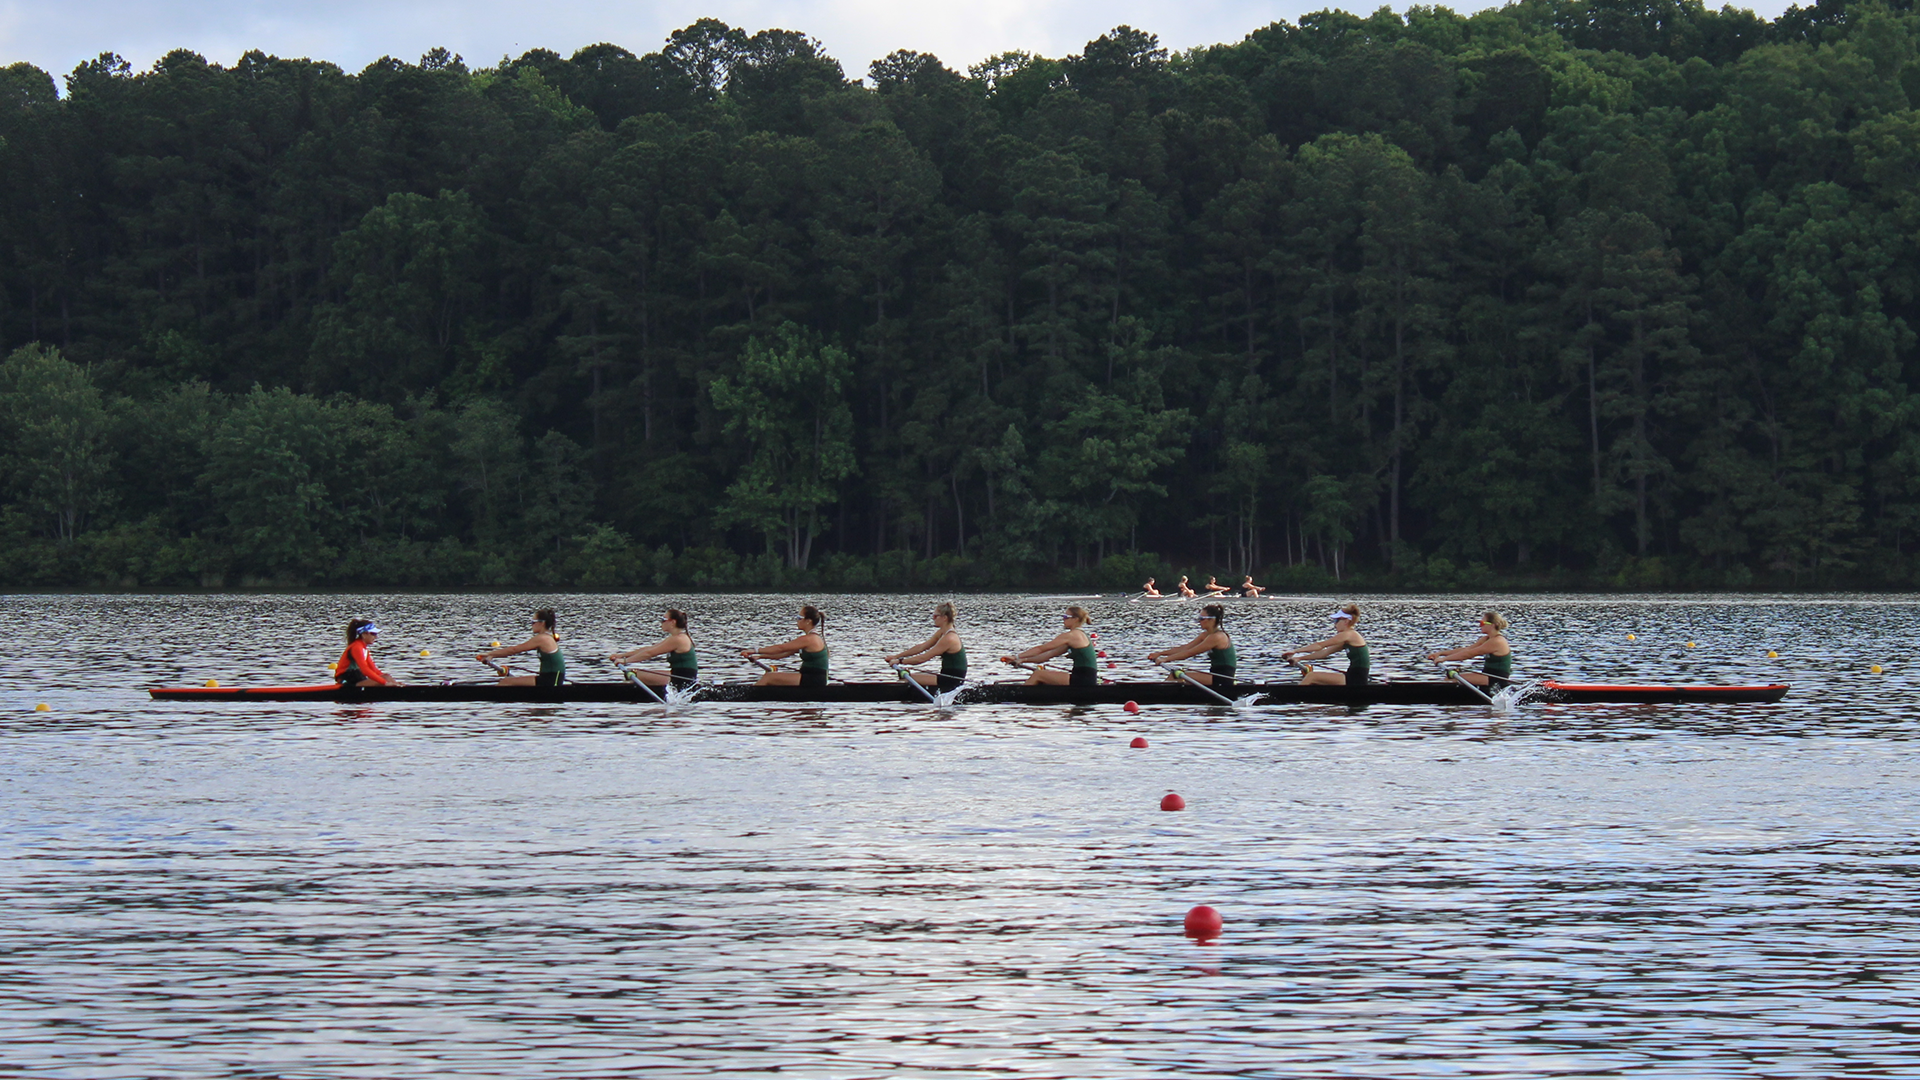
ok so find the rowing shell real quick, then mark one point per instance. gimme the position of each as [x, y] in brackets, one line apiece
[1153, 693]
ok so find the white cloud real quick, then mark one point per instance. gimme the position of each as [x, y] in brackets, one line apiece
[353, 33]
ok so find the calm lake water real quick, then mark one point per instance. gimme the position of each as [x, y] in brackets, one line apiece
[201, 890]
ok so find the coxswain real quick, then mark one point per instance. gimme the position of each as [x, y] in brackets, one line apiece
[1345, 639]
[1072, 641]
[811, 646]
[683, 667]
[1497, 669]
[355, 665]
[544, 640]
[1249, 590]
[945, 644]
[1222, 658]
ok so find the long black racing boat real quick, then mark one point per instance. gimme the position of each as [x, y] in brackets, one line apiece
[1147, 693]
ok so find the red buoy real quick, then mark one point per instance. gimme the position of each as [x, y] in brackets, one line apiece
[1109, 665]
[1131, 706]
[1093, 635]
[1173, 802]
[1102, 654]
[1203, 923]
[1139, 742]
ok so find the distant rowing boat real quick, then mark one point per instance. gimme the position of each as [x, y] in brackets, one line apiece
[1150, 693]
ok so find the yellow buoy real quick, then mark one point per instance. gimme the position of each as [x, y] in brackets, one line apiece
[424, 652]
[1630, 637]
[213, 684]
[496, 644]
[1875, 669]
[1690, 645]
[42, 707]
[1771, 655]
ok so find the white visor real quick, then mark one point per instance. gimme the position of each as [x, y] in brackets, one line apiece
[1338, 615]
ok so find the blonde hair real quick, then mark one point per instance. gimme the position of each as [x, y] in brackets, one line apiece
[944, 609]
[1081, 613]
[1353, 610]
[1495, 620]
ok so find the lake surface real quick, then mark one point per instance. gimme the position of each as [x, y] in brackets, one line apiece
[312, 891]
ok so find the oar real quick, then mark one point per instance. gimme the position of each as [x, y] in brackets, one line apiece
[1453, 676]
[1196, 684]
[634, 677]
[901, 670]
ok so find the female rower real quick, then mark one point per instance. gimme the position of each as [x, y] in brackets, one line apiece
[1072, 641]
[1150, 591]
[683, 667]
[355, 665]
[544, 640]
[1249, 590]
[1222, 657]
[1345, 638]
[945, 644]
[1497, 669]
[1186, 590]
[1214, 588]
[810, 645]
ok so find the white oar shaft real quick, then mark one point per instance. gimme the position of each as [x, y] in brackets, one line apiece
[1196, 684]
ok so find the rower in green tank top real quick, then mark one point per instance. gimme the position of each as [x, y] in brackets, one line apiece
[1497, 669]
[1345, 638]
[546, 642]
[1223, 660]
[676, 644]
[1075, 641]
[945, 644]
[810, 646]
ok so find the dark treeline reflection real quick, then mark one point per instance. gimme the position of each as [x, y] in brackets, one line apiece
[1604, 293]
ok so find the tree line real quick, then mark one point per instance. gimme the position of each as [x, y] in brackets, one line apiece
[1568, 292]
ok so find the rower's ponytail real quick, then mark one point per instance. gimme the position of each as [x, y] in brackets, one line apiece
[354, 626]
[1216, 612]
[1495, 620]
[945, 610]
[815, 616]
[552, 622]
[678, 618]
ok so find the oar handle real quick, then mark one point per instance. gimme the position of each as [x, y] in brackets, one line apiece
[1195, 683]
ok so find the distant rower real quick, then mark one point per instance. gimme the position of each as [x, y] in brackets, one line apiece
[1186, 590]
[1214, 588]
[355, 665]
[1248, 589]
[1072, 641]
[683, 667]
[544, 640]
[1345, 639]
[1497, 669]
[809, 644]
[1222, 658]
[945, 644]
[1149, 590]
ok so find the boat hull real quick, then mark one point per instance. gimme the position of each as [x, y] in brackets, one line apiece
[1155, 693]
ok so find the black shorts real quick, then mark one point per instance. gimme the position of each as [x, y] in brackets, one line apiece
[1357, 676]
[351, 677]
[1222, 680]
[945, 681]
[682, 681]
[1083, 676]
[548, 678]
[813, 678]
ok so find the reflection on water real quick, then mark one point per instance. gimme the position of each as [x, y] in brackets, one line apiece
[585, 890]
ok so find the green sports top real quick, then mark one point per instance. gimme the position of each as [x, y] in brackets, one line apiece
[1223, 661]
[1498, 665]
[683, 663]
[1083, 658]
[814, 661]
[954, 663]
[1359, 657]
[552, 663]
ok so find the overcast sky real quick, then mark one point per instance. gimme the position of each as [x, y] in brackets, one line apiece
[58, 34]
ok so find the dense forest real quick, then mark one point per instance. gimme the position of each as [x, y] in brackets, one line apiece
[1616, 293]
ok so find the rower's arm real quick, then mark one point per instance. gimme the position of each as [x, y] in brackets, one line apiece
[1057, 647]
[528, 645]
[645, 652]
[1319, 650]
[782, 650]
[1482, 647]
[1190, 649]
